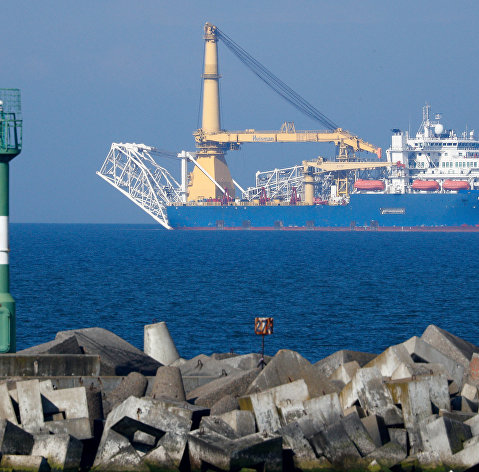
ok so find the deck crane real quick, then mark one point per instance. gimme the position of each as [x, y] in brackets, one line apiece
[212, 142]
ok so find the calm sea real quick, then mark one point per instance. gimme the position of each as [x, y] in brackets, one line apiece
[326, 291]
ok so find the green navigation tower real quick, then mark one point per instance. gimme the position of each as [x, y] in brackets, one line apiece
[10, 146]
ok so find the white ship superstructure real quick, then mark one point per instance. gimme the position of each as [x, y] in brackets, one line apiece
[436, 155]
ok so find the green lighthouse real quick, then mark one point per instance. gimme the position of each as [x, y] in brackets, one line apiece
[10, 146]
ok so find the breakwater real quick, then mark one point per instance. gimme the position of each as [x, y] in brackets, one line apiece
[88, 399]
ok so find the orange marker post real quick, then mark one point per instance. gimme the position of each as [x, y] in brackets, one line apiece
[263, 327]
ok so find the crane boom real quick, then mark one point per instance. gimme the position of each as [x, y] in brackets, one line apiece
[232, 139]
[332, 166]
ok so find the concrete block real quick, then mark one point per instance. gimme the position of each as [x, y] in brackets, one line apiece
[62, 451]
[446, 436]
[399, 436]
[179, 362]
[334, 443]
[48, 365]
[417, 370]
[264, 404]
[72, 402]
[14, 440]
[454, 389]
[191, 413]
[460, 416]
[290, 410]
[264, 408]
[473, 423]
[422, 351]
[46, 386]
[235, 384]
[134, 384]
[30, 405]
[219, 356]
[470, 392]
[451, 346]
[246, 361]
[116, 453]
[191, 382]
[474, 441]
[148, 412]
[117, 357]
[429, 460]
[216, 425]
[159, 344]
[368, 388]
[467, 458]
[345, 372]
[287, 366]
[310, 426]
[20, 463]
[416, 400]
[226, 454]
[168, 383]
[358, 434]
[390, 359]
[79, 428]
[303, 454]
[169, 453]
[461, 403]
[388, 455]
[205, 366]
[325, 367]
[425, 438]
[67, 345]
[242, 422]
[377, 429]
[128, 427]
[326, 409]
[94, 399]
[356, 410]
[225, 404]
[6, 407]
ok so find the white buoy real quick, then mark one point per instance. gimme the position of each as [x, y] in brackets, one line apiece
[159, 344]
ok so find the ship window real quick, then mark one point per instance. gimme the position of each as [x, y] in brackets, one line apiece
[475, 164]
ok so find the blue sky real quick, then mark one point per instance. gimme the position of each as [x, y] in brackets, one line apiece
[97, 72]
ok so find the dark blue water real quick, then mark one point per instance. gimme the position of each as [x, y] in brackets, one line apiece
[326, 291]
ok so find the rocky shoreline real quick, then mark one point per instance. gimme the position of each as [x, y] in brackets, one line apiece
[90, 400]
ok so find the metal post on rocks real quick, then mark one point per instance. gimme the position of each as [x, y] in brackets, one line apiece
[263, 327]
[10, 146]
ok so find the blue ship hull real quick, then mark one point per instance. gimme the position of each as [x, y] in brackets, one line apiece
[414, 211]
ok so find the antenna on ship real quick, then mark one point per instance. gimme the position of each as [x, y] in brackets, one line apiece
[10, 146]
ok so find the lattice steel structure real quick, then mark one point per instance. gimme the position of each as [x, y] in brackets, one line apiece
[277, 183]
[132, 170]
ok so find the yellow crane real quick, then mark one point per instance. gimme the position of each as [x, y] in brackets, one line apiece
[212, 142]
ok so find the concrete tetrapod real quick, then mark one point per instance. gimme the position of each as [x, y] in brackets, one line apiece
[159, 344]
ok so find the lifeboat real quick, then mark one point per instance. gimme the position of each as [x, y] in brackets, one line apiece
[456, 185]
[371, 185]
[425, 185]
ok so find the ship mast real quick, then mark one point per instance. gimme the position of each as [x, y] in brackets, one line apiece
[210, 155]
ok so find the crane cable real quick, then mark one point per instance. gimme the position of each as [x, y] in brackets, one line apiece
[275, 83]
